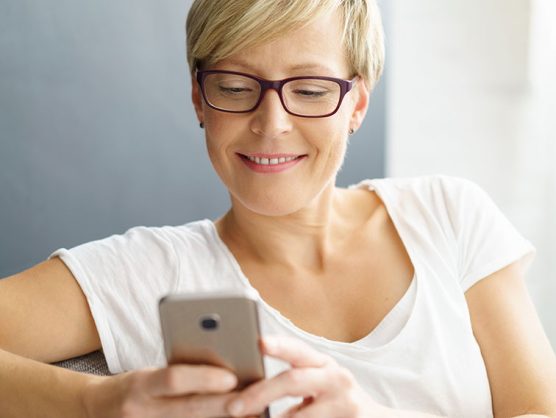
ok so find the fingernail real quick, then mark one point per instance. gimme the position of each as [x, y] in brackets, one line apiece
[269, 343]
[236, 407]
[230, 380]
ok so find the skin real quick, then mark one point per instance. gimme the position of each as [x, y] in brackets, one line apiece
[308, 225]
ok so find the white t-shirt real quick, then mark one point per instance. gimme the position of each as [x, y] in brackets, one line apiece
[422, 356]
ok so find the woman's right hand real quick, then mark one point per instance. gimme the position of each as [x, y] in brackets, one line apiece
[179, 391]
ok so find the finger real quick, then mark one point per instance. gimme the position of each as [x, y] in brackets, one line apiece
[295, 352]
[290, 412]
[315, 410]
[306, 382]
[183, 379]
[206, 406]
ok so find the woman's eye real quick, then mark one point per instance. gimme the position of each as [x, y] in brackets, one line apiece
[234, 90]
[310, 93]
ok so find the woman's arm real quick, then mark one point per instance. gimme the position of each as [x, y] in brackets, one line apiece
[32, 389]
[29, 388]
[45, 318]
[45, 315]
[520, 362]
[331, 390]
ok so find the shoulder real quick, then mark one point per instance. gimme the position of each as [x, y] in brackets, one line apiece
[459, 206]
[188, 237]
[435, 195]
[430, 185]
[197, 230]
[442, 209]
[151, 242]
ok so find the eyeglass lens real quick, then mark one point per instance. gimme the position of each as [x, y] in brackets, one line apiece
[237, 93]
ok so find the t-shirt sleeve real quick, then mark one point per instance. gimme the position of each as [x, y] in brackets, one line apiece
[123, 277]
[486, 240]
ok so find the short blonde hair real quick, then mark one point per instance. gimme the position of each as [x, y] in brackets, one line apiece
[217, 29]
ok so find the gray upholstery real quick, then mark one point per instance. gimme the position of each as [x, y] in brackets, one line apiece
[92, 363]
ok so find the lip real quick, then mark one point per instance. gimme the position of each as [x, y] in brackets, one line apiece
[269, 169]
[269, 156]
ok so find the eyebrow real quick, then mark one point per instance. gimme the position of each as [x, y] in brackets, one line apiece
[306, 66]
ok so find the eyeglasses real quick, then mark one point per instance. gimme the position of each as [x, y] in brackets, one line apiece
[308, 97]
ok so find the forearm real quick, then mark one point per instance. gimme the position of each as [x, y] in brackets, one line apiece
[32, 389]
[534, 416]
[395, 413]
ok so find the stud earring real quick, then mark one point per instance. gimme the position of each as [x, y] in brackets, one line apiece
[351, 131]
[201, 125]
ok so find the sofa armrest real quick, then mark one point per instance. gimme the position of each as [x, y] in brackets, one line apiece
[92, 363]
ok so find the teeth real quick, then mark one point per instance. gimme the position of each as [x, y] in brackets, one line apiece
[271, 161]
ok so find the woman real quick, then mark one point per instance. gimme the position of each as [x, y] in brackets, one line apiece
[397, 297]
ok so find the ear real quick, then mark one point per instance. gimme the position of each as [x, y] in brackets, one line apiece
[361, 98]
[197, 99]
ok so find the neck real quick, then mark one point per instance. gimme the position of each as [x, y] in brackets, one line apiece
[301, 240]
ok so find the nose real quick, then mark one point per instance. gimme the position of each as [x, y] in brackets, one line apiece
[270, 119]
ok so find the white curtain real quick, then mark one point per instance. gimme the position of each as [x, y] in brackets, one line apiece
[472, 93]
[537, 156]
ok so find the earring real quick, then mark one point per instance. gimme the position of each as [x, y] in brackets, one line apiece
[201, 125]
[351, 131]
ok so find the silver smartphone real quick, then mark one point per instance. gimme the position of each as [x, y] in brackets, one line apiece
[219, 329]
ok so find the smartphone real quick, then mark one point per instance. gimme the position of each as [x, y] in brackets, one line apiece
[217, 328]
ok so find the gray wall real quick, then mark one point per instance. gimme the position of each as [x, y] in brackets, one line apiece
[96, 130]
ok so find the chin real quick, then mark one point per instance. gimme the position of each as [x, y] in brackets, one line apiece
[270, 205]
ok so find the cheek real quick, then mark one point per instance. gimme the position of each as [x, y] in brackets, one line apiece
[217, 137]
[333, 144]
[338, 154]
[216, 151]
[218, 158]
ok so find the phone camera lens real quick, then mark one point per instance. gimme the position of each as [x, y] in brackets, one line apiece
[210, 322]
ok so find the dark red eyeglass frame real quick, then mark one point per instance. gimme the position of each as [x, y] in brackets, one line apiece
[277, 85]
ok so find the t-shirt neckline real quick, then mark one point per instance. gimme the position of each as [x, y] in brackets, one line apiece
[287, 323]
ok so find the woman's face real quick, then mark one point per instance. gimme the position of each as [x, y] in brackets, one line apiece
[318, 144]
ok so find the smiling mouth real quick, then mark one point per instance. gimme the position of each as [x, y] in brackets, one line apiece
[271, 160]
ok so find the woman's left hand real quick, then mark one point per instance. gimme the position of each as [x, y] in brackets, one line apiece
[328, 390]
